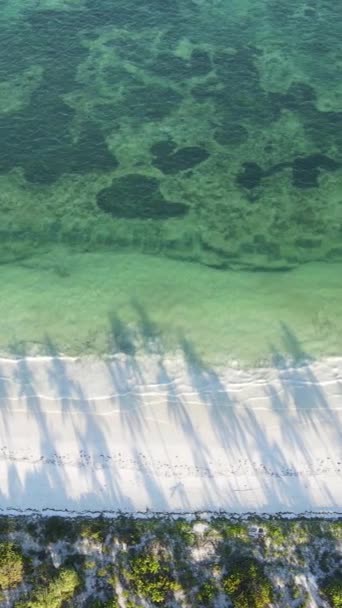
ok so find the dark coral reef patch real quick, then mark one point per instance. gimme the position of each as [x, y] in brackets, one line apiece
[150, 102]
[170, 160]
[200, 63]
[38, 137]
[136, 196]
[230, 133]
[305, 171]
[250, 175]
[38, 140]
[169, 66]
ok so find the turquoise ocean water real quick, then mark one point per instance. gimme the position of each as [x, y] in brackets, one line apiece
[171, 176]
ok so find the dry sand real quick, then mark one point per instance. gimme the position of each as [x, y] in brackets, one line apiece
[131, 434]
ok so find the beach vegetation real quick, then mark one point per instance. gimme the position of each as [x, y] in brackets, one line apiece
[11, 565]
[182, 530]
[167, 562]
[7, 525]
[57, 528]
[247, 585]
[324, 561]
[305, 602]
[315, 528]
[298, 531]
[75, 560]
[206, 593]
[332, 589]
[95, 530]
[55, 594]
[110, 603]
[186, 575]
[151, 578]
[335, 529]
[128, 529]
[295, 590]
[276, 532]
[231, 529]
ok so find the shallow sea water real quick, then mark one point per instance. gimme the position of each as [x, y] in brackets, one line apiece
[171, 177]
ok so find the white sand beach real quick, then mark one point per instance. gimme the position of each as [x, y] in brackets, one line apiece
[159, 434]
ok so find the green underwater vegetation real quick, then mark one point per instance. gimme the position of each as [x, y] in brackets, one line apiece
[199, 130]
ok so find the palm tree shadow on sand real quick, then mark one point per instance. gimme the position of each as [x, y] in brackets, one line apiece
[237, 431]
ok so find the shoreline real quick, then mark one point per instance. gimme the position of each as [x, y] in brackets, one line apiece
[160, 434]
[190, 516]
[284, 362]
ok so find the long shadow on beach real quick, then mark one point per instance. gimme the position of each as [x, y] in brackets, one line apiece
[239, 428]
[90, 453]
[302, 397]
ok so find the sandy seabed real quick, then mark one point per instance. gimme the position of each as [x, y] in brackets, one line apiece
[160, 434]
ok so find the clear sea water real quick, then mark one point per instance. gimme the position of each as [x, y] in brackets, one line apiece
[171, 177]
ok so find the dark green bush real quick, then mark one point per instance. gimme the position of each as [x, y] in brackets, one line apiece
[247, 585]
[56, 593]
[112, 603]
[277, 531]
[11, 566]
[95, 529]
[129, 530]
[151, 578]
[231, 529]
[332, 588]
[59, 528]
[206, 594]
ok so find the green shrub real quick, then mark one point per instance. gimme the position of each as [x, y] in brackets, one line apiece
[231, 529]
[11, 566]
[247, 585]
[182, 530]
[335, 529]
[129, 529]
[314, 528]
[8, 524]
[277, 532]
[151, 579]
[59, 590]
[298, 531]
[59, 528]
[112, 603]
[332, 587]
[179, 530]
[75, 561]
[186, 575]
[206, 594]
[95, 530]
[295, 590]
[324, 561]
